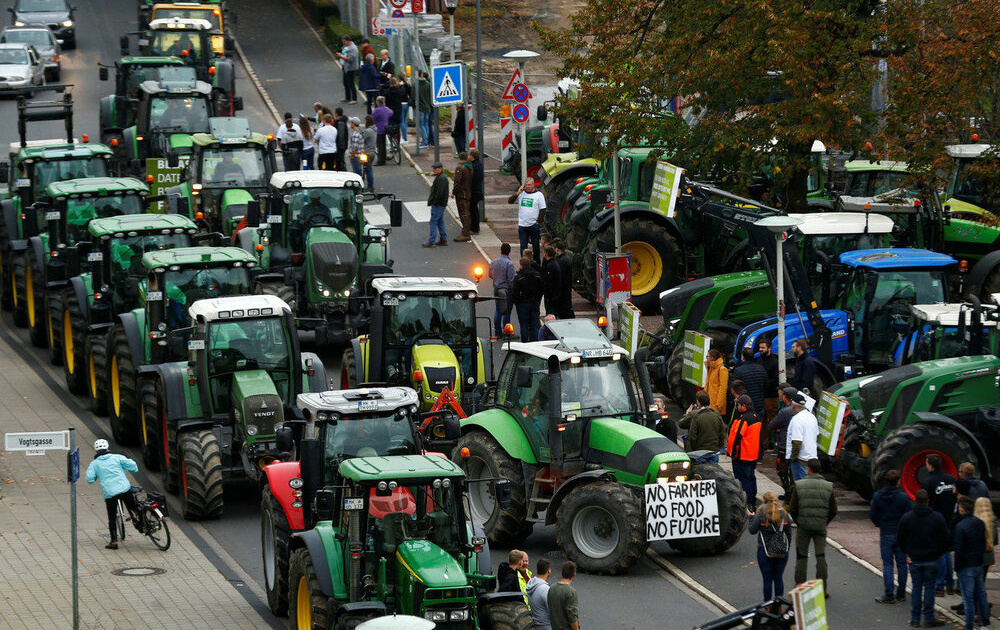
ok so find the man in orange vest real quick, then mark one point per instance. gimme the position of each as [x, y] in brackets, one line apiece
[744, 447]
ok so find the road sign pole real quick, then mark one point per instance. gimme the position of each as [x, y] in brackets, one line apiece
[479, 91]
[437, 133]
[524, 132]
[415, 86]
[72, 524]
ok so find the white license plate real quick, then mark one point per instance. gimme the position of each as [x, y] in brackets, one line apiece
[154, 296]
[367, 405]
[354, 503]
[390, 301]
[52, 216]
[274, 218]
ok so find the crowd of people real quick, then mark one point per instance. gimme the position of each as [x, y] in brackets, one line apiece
[553, 606]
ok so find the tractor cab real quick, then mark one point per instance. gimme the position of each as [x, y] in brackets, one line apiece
[168, 112]
[871, 179]
[219, 18]
[188, 39]
[118, 110]
[823, 235]
[942, 331]
[35, 166]
[973, 192]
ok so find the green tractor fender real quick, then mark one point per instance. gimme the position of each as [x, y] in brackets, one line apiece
[109, 116]
[359, 347]
[129, 148]
[502, 427]
[557, 171]
[314, 378]
[986, 267]
[180, 400]
[590, 476]
[132, 323]
[39, 246]
[937, 419]
[9, 209]
[605, 218]
[82, 293]
[327, 556]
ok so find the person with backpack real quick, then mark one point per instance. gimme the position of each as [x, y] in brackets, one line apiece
[109, 469]
[773, 528]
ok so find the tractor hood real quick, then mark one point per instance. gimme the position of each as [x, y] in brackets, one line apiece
[333, 258]
[256, 404]
[429, 564]
[638, 455]
[439, 366]
[673, 302]
[795, 328]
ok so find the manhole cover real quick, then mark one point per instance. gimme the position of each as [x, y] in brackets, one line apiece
[138, 571]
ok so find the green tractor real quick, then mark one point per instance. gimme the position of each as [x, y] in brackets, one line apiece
[336, 425]
[970, 194]
[392, 536]
[581, 464]
[97, 269]
[212, 415]
[942, 331]
[42, 263]
[315, 247]
[423, 335]
[215, 12]
[229, 166]
[170, 282]
[118, 110]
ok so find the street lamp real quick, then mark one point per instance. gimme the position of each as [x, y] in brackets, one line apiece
[521, 56]
[779, 226]
[450, 6]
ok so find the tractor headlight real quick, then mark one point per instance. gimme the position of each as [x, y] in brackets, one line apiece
[326, 292]
[67, 23]
[437, 616]
[458, 615]
[382, 486]
[251, 429]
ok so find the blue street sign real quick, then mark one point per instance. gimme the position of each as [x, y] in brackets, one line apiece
[520, 113]
[74, 465]
[448, 84]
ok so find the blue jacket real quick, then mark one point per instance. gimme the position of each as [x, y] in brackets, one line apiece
[888, 506]
[369, 79]
[970, 542]
[110, 469]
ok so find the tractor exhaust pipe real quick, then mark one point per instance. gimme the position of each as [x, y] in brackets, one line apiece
[647, 391]
[555, 419]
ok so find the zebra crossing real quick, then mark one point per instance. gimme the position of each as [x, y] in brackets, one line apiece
[378, 214]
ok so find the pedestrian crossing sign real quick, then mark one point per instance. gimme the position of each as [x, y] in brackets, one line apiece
[448, 84]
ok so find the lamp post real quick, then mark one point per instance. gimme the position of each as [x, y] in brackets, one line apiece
[779, 226]
[450, 6]
[521, 56]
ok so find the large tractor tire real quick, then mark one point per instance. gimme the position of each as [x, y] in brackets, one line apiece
[149, 416]
[274, 536]
[488, 459]
[170, 461]
[847, 464]
[54, 334]
[600, 526]
[508, 615]
[280, 290]
[732, 514]
[307, 605]
[556, 210]
[680, 390]
[906, 449]
[201, 475]
[349, 370]
[97, 374]
[123, 390]
[74, 344]
[34, 298]
[19, 289]
[6, 280]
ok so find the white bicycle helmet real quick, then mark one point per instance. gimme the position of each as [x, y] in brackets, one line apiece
[101, 445]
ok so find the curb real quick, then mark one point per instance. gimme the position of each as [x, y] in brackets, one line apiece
[257, 83]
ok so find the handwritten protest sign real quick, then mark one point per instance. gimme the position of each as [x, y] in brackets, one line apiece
[684, 509]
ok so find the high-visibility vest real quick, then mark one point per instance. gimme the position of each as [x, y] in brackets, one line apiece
[744, 440]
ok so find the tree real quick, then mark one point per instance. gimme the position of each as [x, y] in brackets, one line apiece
[763, 79]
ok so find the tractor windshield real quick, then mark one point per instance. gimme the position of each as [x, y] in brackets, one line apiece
[186, 285]
[873, 183]
[79, 212]
[224, 166]
[972, 185]
[366, 436]
[417, 512]
[448, 317]
[248, 344]
[187, 46]
[832, 245]
[61, 170]
[597, 388]
[126, 252]
[180, 114]
[315, 207]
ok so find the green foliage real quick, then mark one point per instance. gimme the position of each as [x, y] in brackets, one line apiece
[319, 11]
[335, 31]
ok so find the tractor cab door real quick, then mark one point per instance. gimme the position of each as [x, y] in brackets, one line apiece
[528, 399]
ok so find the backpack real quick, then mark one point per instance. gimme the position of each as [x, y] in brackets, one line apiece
[774, 540]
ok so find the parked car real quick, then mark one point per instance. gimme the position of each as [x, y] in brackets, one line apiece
[45, 43]
[21, 68]
[55, 14]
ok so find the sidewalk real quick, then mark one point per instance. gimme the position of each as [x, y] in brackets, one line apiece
[185, 590]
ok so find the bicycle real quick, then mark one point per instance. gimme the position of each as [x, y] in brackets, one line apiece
[395, 153]
[150, 518]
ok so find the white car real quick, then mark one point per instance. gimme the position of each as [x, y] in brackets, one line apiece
[45, 43]
[21, 68]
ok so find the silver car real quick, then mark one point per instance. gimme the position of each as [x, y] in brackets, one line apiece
[21, 68]
[45, 43]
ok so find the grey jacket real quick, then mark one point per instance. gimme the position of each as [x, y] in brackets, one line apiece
[353, 61]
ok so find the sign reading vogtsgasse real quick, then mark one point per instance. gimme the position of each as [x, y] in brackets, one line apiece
[37, 441]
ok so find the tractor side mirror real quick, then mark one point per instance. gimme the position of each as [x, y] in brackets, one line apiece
[237, 103]
[131, 287]
[283, 439]
[173, 160]
[123, 44]
[4, 172]
[396, 213]
[102, 73]
[229, 44]
[452, 427]
[183, 207]
[325, 500]
[503, 493]
[253, 213]
[524, 375]
[541, 113]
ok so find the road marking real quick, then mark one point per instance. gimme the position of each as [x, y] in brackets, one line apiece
[376, 214]
[419, 210]
[673, 574]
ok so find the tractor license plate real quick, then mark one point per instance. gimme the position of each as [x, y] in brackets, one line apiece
[274, 218]
[598, 353]
[354, 503]
[52, 216]
[390, 301]
[154, 296]
[367, 405]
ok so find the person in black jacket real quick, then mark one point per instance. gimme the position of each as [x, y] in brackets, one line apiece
[552, 279]
[565, 260]
[437, 200]
[754, 378]
[924, 537]
[888, 506]
[970, 547]
[769, 361]
[805, 368]
[526, 295]
[458, 129]
[343, 138]
[940, 486]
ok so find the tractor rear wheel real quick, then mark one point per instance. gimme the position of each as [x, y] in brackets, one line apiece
[74, 344]
[54, 333]
[349, 370]
[848, 468]
[732, 514]
[19, 288]
[201, 475]
[600, 527]
[508, 615]
[307, 605]
[148, 420]
[34, 298]
[123, 388]
[274, 536]
[555, 215]
[6, 281]
[488, 459]
[906, 449]
[278, 289]
[97, 374]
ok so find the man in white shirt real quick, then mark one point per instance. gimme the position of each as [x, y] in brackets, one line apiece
[326, 144]
[803, 433]
[530, 210]
[290, 139]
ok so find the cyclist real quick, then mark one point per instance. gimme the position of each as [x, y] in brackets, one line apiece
[109, 468]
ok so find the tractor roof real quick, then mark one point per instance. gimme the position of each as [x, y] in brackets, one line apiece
[354, 401]
[228, 130]
[180, 24]
[97, 187]
[15, 147]
[150, 61]
[579, 338]
[886, 203]
[141, 223]
[238, 307]
[316, 179]
[947, 314]
[59, 150]
[860, 166]
[174, 86]
[422, 285]
[829, 223]
[895, 258]
[399, 467]
[968, 151]
[197, 256]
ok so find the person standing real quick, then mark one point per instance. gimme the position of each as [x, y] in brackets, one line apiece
[343, 139]
[805, 368]
[394, 96]
[813, 506]
[718, 380]
[924, 537]
[369, 81]
[706, 430]
[970, 547]
[366, 48]
[565, 260]
[426, 111]
[371, 144]
[564, 609]
[743, 446]
[502, 274]
[356, 147]
[552, 280]
[970, 485]
[527, 295]
[290, 139]
[308, 147]
[538, 595]
[984, 512]
[386, 68]
[774, 539]
[940, 486]
[888, 507]
[513, 575]
[778, 428]
[458, 129]
[437, 200]
[462, 192]
[327, 139]
[478, 189]
[109, 469]
[349, 62]
[407, 98]
[530, 210]
[754, 378]
[382, 114]
[769, 362]
[803, 432]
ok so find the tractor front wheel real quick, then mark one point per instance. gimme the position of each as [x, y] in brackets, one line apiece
[201, 475]
[851, 465]
[557, 213]
[280, 290]
[509, 615]
[148, 419]
[123, 388]
[274, 536]
[74, 344]
[487, 459]
[732, 514]
[19, 288]
[97, 374]
[34, 286]
[170, 462]
[600, 527]
[307, 605]
[906, 449]
[54, 333]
